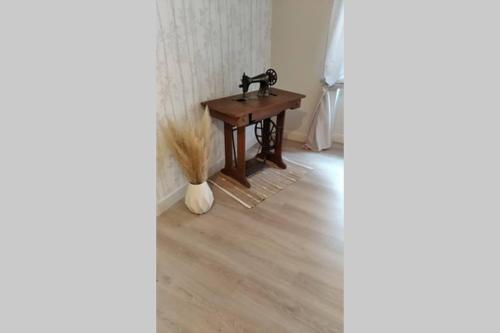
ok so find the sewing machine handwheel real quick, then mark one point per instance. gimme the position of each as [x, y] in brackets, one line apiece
[272, 75]
[259, 132]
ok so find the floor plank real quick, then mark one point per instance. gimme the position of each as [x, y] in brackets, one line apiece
[275, 268]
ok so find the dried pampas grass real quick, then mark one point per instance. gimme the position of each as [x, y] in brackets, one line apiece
[190, 143]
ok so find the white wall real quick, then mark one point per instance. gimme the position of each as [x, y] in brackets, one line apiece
[203, 48]
[298, 39]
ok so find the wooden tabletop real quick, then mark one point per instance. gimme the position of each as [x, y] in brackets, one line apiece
[238, 112]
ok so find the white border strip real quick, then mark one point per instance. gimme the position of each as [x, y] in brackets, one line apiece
[299, 164]
[164, 204]
[229, 193]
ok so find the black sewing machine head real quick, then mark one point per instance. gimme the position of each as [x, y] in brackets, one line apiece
[266, 80]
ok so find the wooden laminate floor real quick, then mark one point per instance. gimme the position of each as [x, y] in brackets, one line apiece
[274, 268]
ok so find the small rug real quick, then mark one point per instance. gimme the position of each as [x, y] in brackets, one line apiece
[264, 183]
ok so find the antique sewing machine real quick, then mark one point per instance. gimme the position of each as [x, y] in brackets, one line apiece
[266, 134]
[254, 108]
[267, 79]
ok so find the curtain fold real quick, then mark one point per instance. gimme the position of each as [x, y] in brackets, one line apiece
[320, 132]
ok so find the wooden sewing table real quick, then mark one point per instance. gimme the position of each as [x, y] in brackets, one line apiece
[238, 113]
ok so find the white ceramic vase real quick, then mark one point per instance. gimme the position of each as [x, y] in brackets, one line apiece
[199, 198]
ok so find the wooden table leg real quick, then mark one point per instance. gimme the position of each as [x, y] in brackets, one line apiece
[228, 144]
[265, 137]
[280, 123]
[241, 171]
[238, 172]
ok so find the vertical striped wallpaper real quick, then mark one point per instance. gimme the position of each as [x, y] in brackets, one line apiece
[203, 47]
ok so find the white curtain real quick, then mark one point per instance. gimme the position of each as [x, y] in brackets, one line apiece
[320, 133]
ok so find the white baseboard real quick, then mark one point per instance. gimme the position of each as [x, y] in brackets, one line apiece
[295, 136]
[165, 203]
[338, 138]
[301, 137]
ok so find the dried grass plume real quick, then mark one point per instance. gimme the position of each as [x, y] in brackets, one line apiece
[190, 144]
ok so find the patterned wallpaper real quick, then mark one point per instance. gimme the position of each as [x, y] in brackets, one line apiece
[203, 47]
